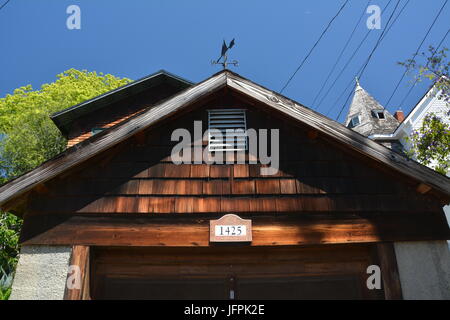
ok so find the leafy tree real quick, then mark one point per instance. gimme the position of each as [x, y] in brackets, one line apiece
[9, 249]
[436, 69]
[28, 137]
[430, 144]
[9, 238]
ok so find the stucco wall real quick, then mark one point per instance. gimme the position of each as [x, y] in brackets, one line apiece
[41, 273]
[424, 269]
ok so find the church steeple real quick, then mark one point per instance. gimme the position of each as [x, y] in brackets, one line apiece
[367, 116]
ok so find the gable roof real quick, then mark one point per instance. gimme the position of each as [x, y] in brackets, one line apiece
[432, 92]
[363, 104]
[64, 118]
[332, 129]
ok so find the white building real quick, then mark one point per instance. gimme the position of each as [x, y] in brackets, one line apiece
[430, 103]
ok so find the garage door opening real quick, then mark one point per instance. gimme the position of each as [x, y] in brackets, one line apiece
[220, 273]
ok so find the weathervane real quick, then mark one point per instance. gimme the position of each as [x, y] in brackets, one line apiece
[224, 55]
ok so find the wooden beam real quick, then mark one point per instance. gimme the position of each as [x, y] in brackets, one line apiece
[41, 189]
[423, 188]
[17, 205]
[312, 134]
[79, 261]
[140, 138]
[389, 271]
[193, 229]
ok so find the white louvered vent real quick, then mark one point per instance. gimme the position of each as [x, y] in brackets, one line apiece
[232, 125]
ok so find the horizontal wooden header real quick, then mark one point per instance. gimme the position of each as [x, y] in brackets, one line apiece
[289, 229]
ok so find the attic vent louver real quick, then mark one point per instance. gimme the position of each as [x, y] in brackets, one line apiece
[227, 130]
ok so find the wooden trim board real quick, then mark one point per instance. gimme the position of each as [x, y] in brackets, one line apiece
[188, 230]
[81, 259]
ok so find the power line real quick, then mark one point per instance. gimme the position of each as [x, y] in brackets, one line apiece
[371, 54]
[349, 60]
[383, 36]
[341, 53]
[4, 4]
[389, 27]
[352, 79]
[343, 106]
[317, 42]
[415, 54]
[378, 42]
[428, 62]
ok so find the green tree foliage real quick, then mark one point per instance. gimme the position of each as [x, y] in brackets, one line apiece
[9, 238]
[9, 248]
[4, 294]
[431, 142]
[432, 65]
[28, 137]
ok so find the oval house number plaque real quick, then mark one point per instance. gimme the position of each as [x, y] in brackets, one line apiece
[230, 228]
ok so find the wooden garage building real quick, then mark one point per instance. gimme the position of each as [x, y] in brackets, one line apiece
[138, 226]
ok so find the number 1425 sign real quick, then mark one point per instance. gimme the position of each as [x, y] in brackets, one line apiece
[230, 228]
[232, 231]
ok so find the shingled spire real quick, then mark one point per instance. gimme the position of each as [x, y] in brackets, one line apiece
[367, 116]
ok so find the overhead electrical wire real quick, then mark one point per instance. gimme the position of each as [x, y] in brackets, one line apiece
[1, 7]
[352, 79]
[415, 54]
[378, 42]
[428, 62]
[350, 59]
[314, 46]
[370, 56]
[349, 84]
[359, 70]
[341, 53]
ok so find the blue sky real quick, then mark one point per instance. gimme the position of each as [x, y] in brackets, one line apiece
[135, 38]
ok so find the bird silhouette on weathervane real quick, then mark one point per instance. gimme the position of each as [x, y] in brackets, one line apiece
[224, 55]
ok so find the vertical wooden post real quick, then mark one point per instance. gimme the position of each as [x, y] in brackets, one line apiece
[80, 259]
[389, 271]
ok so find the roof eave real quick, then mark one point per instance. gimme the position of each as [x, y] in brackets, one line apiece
[64, 118]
